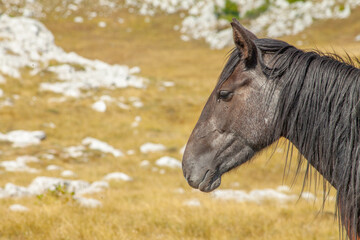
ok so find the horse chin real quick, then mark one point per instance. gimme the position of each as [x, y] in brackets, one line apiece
[205, 187]
[210, 182]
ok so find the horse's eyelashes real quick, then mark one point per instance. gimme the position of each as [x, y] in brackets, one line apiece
[225, 95]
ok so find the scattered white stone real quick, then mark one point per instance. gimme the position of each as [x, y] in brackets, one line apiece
[106, 98]
[2, 79]
[22, 138]
[8, 102]
[50, 125]
[118, 176]
[144, 163]
[92, 15]
[72, 7]
[179, 190]
[256, 196]
[18, 208]
[121, 20]
[136, 122]
[168, 84]
[357, 38]
[27, 43]
[102, 24]
[308, 196]
[19, 165]
[99, 106]
[95, 187]
[123, 106]
[53, 168]
[40, 185]
[78, 19]
[185, 38]
[88, 202]
[96, 144]
[192, 203]
[152, 147]
[283, 188]
[130, 152]
[74, 151]
[138, 104]
[168, 162]
[48, 156]
[68, 173]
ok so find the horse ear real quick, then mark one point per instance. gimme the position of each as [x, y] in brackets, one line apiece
[243, 40]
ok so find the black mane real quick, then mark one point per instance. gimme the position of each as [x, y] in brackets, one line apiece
[318, 110]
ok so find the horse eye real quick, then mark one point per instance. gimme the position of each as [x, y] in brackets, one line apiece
[225, 95]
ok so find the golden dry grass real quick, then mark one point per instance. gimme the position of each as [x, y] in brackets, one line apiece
[149, 207]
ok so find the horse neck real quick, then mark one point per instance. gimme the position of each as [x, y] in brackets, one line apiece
[316, 113]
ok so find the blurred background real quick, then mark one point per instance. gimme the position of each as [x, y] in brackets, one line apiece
[98, 99]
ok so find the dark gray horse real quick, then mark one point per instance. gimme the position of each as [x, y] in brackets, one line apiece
[270, 89]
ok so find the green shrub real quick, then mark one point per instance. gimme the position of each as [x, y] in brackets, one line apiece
[254, 13]
[292, 1]
[229, 12]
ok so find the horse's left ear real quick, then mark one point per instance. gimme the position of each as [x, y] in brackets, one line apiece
[243, 40]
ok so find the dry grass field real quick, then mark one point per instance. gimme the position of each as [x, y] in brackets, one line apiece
[151, 206]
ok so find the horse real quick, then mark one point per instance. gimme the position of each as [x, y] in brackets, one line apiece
[270, 89]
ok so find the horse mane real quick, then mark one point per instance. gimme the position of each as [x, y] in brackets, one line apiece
[318, 110]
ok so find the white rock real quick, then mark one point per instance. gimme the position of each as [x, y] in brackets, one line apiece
[88, 202]
[118, 176]
[123, 106]
[283, 188]
[144, 163]
[19, 165]
[78, 19]
[53, 168]
[107, 98]
[192, 203]
[22, 138]
[18, 208]
[130, 152]
[357, 38]
[168, 162]
[179, 190]
[41, 184]
[28, 43]
[68, 173]
[102, 24]
[96, 144]
[256, 196]
[99, 106]
[138, 104]
[152, 147]
[168, 84]
[74, 151]
[308, 196]
[95, 187]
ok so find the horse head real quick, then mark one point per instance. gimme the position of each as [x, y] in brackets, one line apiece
[236, 120]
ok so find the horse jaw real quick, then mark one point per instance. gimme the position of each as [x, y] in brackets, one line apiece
[204, 164]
